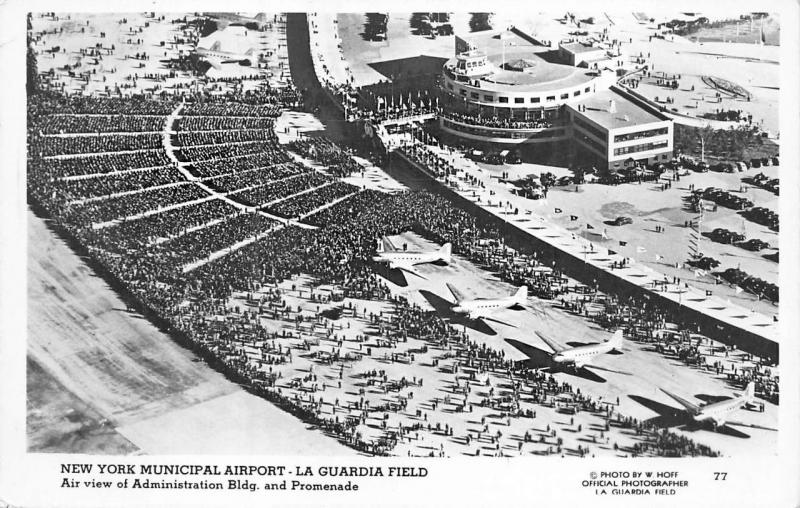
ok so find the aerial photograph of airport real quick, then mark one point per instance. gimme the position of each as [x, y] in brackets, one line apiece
[428, 234]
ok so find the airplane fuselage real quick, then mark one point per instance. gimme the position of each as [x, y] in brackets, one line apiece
[394, 259]
[484, 306]
[718, 412]
[581, 355]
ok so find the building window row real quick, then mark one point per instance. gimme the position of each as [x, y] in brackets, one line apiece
[586, 140]
[517, 100]
[580, 122]
[645, 147]
[641, 134]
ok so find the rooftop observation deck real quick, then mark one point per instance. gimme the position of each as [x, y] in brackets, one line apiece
[540, 70]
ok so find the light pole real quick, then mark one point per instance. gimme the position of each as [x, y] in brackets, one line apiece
[704, 133]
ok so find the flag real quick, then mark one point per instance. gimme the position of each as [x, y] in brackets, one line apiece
[611, 252]
[589, 226]
[622, 244]
[558, 210]
[640, 249]
[659, 257]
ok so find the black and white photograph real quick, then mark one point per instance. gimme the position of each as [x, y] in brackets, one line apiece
[537, 237]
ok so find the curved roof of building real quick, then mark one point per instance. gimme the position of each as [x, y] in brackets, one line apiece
[542, 73]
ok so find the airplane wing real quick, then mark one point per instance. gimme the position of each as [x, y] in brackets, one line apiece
[556, 347]
[689, 406]
[410, 269]
[750, 425]
[459, 296]
[597, 367]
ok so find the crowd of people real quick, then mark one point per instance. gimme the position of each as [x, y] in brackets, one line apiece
[323, 150]
[239, 180]
[100, 164]
[82, 124]
[55, 146]
[135, 235]
[149, 257]
[496, 122]
[307, 202]
[96, 212]
[221, 137]
[279, 189]
[223, 123]
[104, 186]
[269, 155]
[120, 64]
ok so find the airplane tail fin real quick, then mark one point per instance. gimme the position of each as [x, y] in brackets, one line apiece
[446, 252]
[750, 391]
[616, 340]
[521, 295]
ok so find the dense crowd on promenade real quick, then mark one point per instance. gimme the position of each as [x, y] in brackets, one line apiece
[307, 202]
[148, 256]
[496, 122]
[321, 149]
[269, 155]
[279, 189]
[205, 137]
[247, 178]
[96, 187]
[56, 146]
[80, 124]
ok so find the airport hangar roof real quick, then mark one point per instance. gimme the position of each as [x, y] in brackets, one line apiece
[627, 114]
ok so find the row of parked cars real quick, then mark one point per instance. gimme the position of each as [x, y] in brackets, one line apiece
[765, 182]
[763, 216]
[751, 284]
[721, 235]
[724, 198]
[729, 167]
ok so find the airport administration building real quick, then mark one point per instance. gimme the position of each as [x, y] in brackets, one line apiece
[505, 88]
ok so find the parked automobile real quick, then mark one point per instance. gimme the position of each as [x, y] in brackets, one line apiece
[622, 221]
[493, 158]
[753, 244]
[705, 263]
[721, 235]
